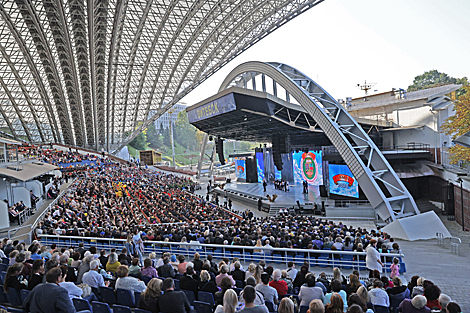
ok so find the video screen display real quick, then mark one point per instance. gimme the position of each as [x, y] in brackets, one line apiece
[260, 166]
[277, 173]
[240, 168]
[308, 167]
[342, 181]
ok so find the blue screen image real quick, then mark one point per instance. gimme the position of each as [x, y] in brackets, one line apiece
[260, 166]
[342, 181]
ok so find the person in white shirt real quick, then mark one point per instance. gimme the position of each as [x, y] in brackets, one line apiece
[378, 296]
[93, 278]
[291, 271]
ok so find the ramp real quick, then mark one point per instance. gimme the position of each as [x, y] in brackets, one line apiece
[422, 226]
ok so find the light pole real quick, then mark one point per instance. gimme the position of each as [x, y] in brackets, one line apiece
[460, 180]
[170, 112]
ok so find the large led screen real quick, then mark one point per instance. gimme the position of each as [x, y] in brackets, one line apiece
[342, 181]
[240, 168]
[308, 167]
[260, 166]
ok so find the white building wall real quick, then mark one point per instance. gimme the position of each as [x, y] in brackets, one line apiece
[165, 118]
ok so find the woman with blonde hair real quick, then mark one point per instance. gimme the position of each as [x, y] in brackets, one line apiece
[337, 275]
[149, 298]
[230, 302]
[362, 292]
[258, 245]
[250, 271]
[257, 274]
[113, 263]
[286, 306]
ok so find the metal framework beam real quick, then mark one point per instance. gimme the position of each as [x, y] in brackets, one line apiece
[385, 191]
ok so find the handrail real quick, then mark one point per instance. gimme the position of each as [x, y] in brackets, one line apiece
[16, 229]
[279, 255]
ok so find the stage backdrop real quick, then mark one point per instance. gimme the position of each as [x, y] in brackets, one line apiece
[260, 166]
[308, 167]
[240, 168]
[342, 181]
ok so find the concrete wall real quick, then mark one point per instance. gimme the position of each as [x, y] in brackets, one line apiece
[4, 190]
[4, 220]
[21, 194]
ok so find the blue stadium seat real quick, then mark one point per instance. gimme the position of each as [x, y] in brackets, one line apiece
[237, 290]
[239, 284]
[277, 258]
[202, 307]
[270, 306]
[6, 261]
[3, 267]
[257, 256]
[121, 309]
[299, 260]
[136, 298]
[145, 279]
[81, 305]
[381, 309]
[140, 311]
[3, 298]
[347, 261]
[322, 261]
[206, 297]
[190, 295]
[13, 310]
[303, 309]
[177, 284]
[2, 277]
[237, 254]
[108, 295]
[125, 297]
[24, 294]
[100, 307]
[13, 297]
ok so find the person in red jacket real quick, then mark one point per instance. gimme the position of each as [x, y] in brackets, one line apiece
[279, 285]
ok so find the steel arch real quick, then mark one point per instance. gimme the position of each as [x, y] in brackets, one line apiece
[385, 191]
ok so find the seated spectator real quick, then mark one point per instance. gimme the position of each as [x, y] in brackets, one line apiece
[12, 256]
[182, 264]
[76, 262]
[148, 270]
[336, 286]
[300, 277]
[103, 258]
[249, 295]
[453, 307]
[124, 259]
[443, 301]
[171, 300]
[44, 253]
[278, 284]
[37, 274]
[126, 282]
[230, 303]
[415, 305]
[149, 298]
[310, 292]
[432, 293]
[225, 284]
[224, 273]
[73, 290]
[237, 273]
[166, 270]
[269, 293]
[355, 299]
[286, 306]
[197, 262]
[21, 258]
[286, 278]
[13, 279]
[188, 282]
[93, 278]
[134, 269]
[418, 290]
[113, 263]
[316, 306]
[378, 296]
[49, 297]
[353, 284]
[205, 283]
[397, 288]
[337, 275]
[336, 304]
[85, 267]
[251, 271]
[34, 253]
[259, 299]
[322, 279]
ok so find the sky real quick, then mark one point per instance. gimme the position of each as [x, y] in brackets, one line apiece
[342, 43]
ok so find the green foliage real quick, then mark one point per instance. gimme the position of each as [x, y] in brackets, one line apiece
[185, 133]
[139, 142]
[166, 136]
[433, 78]
[153, 137]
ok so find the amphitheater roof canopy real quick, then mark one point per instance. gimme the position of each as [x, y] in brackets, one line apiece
[87, 73]
[27, 170]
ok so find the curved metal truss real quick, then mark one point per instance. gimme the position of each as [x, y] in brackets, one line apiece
[378, 180]
[95, 73]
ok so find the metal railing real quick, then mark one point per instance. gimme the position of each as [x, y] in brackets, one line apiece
[322, 258]
[455, 243]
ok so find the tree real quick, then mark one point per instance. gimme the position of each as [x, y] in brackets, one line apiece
[153, 137]
[139, 142]
[185, 133]
[459, 124]
[432, 78]
[166, 136]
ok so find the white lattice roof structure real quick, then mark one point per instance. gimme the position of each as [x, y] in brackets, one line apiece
[88, 72]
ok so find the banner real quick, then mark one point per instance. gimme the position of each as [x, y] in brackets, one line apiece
[308, 167]
[240, 168]
[342, 181]
[222, 105]
[260, 166]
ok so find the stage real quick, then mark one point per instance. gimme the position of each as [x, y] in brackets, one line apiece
[250, 193]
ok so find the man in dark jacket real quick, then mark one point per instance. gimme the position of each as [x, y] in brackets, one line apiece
[173, 301]
[166, 270]
[49, 297]
[188, 281]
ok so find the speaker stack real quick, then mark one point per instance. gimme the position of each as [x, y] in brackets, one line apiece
[219, 149]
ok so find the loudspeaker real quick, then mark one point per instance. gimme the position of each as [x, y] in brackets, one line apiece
[228, 180]
[323, 192]
[277, 150]
[219, 149]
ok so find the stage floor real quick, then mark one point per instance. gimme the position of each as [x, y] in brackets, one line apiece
[288, 198]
